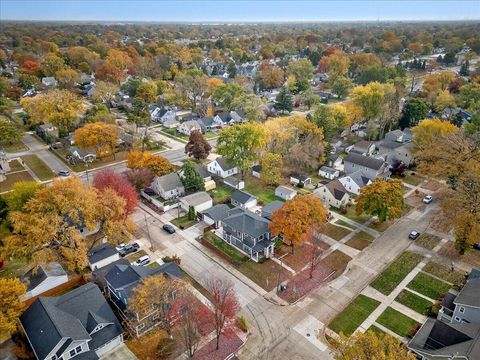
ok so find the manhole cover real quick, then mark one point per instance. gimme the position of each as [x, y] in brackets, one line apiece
[308, 334]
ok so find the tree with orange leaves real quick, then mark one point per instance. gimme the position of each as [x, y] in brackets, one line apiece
[294, 219]
[146, 160]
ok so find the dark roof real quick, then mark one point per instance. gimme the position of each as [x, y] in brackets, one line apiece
[72, 316]
[447, 301]
[359, 178]
[223, 163]
[99, 274]
[242, 197]
[363, 145]
[470, 294]
[442, 339]
[366, 161]
[269, 209]
[337, 189]
[101, 252]
[299, 177]
[217, 212]
[34, 277]
[206, 121]
[328, 170]
[257, 168]
[474, 274]
[225, 117]
[123, 278]
[202, 171]
[247, 222]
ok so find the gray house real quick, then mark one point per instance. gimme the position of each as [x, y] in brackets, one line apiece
[122, 279]
[249, 233]
[455, 334]
[243, 199]
[168, 186]
[79, 324]
[370, 167]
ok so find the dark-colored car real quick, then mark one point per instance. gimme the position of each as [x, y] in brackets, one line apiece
[149, 191]
[64, 173]
[168, 228]
[476, 246]
[128, 249]
[414, 235]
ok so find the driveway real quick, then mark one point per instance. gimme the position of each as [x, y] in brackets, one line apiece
[120, 353]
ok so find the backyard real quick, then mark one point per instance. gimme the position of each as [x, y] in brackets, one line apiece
[396, 272]
[264, 193]
[353, 315]
[221, 194]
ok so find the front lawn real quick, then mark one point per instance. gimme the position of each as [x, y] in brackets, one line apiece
[19, 146]
[354, 315]
[396, 321]
[396, 272]
[352, 215]
[119, 157]
[11, 179]
[344, 223]
[360, 240]
[300, 258]
[225, 248]
[410, 179]
[265, 275]
[221, 194]
[15, 166]
[38, 167]
[135, 256]
[414, 302]
[444, 272]
[471, 256]
[174, 133]
[380, 226]
[376, 330]
[428, 241]
[183, 220]
[428, 286]
[264, 193]
[336, 232]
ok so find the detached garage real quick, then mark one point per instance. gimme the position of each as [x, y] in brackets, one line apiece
[200, 201]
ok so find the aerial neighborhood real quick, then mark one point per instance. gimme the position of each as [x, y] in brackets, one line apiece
[239, 191]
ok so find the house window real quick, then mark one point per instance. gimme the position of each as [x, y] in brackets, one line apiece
[78, 349]
[461, 309]
[457, 318]
[54, 357]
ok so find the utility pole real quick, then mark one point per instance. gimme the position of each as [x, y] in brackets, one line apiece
[148, 231]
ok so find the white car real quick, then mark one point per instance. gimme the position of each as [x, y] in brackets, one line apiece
[144, 260]
[427, 199]
[120, 246]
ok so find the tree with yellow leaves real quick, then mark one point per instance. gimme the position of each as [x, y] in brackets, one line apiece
[146, 160]
[51, 224]
[381, 198]
[155, 295]
[101, 137]
[10, 306]
[272, 168]
[294, 219]
[67, 78]
[61, 108]
[429, 130]
[370, 346]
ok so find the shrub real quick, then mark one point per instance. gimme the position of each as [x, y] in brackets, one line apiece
[262, 260]
[278, 244]
[434, 309]
[174, 258]
[242, 323]
[343, 210]
[165, 348]
[300, 185]
[413, 330]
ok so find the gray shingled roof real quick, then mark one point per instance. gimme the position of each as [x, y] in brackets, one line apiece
[217, 212]
[286, 189]
[101, 252]
[336, 189]
[248, 223]
[242, 197]
[470, 294]
[49, 319]
[328, 170]
[223, 163]
[170, 181]
[34, 278]
[202, 171]
[269, 209]
[359, 178]
[366, 161]
[196, 198]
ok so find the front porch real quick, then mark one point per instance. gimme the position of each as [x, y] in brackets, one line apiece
[263, 249]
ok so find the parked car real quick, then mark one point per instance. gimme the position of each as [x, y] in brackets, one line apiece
[128, 249]
[149, 191]
[144, 260]
[168, 228]
[64, 173]
[476, 246]
[428, 199]
[120, 246]
[414, 235]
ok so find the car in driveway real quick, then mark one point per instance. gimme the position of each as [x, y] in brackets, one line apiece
[427, 199]
[476, 246]
[413, 235]
[149, 191]
[64, 173]
[142, 261]
[128, 249]
[168, 228]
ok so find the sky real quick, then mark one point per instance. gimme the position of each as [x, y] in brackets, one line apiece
[238, 11]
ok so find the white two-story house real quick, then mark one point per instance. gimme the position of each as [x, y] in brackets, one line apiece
[221, 168]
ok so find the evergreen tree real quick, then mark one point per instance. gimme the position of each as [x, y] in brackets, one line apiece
[284, 101]
[464, 69]
[413, 111]
[191, 213]
[191, 179]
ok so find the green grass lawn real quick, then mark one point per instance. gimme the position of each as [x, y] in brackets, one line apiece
[344, 223]
[221, 194]
[396, 272]
[211, 135]
[224, 247]
[428, 241]
[396, 321]
[264, 193]
[380, 226]
[174, 134]
[376, 330]
[265, 275]
[15, 166]
[16, 147]
[354, 315]
[410, 179]
[414, 302]
[135, 256]
[360, 240]
[429, 286]
[38, 167]
[444, 272]
[336, 232]
[11, 179]
[183, 220]
[352, 215]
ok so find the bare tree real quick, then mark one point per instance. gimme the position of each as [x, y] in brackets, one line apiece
[224, 301]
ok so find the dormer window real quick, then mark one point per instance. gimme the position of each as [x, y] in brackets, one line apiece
[461, 309]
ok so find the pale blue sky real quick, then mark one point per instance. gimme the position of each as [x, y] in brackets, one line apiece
[232, 10]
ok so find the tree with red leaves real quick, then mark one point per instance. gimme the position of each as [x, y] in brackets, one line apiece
[197, 146]
[193, 318]
[225, 304]
[109, 179]
[30, 67]
[139, 178]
